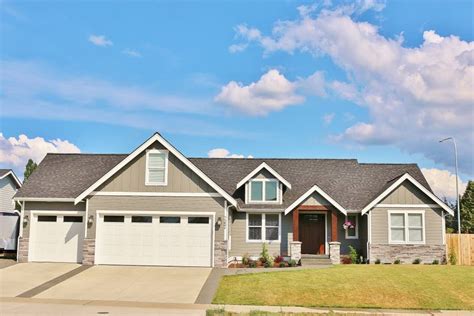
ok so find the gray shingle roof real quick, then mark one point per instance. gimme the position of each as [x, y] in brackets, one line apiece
[351, 184]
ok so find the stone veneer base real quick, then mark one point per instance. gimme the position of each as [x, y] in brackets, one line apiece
[23, 245]
[88, 251]
[220, 254]
[387, 253]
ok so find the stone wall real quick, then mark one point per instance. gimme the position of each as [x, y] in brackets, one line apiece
[407, 253]
[88, 251]
[23, 244]
[335, 252]
[220, 254]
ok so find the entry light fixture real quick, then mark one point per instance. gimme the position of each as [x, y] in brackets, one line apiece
[90, 220]
[25, 220]
[219, 221]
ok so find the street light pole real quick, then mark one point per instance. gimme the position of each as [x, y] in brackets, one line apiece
[457, 179]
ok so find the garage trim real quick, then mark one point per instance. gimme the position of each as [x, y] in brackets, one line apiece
[179, 213]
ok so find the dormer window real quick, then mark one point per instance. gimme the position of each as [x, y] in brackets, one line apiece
[156, 167]
[263, 190]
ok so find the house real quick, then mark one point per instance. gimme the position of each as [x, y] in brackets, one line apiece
[155, 206]
[9, 184]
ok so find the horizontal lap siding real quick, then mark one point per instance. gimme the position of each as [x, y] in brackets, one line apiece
[240, 247]
[152, 204]
[7, 191]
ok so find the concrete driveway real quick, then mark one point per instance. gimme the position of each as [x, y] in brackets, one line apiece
[132, 283]
[19, 278]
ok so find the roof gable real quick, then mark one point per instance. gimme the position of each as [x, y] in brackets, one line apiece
[265, 166]
[155, 138]
[308, 193]
[9, 173]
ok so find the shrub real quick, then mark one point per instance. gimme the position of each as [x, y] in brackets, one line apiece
[353, 254]
[264, 255]
[346, 260]
[377, 261]
[252, 264]
[278, 259]
[282, 264]
[292, 263]
[416, 261]
[398, 261]
[452, 258]
[435, 261]
[245, 259]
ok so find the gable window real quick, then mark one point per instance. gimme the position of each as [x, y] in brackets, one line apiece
[406, 227]
[263, 227]
[263, 190]
[156, 167]
[352, 232]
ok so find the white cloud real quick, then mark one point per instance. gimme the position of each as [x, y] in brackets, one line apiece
[443, 183]
[224, 153]
[15, 152]
[132, 53]
[236, 48]
[272, 92]
[328, 118]
[100, 40]
[414, 95]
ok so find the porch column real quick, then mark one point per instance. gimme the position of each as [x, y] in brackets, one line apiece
[296, 224]
[333, 226]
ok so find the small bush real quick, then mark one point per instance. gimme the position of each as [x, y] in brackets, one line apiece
[292, 263]
[353, 254]
[435, 261]
[377, 261]
[265, 256]
[252, 264]
[278, 259]
[398, 261]
[245, 259]
[282, 264]
[416, 261]
[346, 260]
[452, 258]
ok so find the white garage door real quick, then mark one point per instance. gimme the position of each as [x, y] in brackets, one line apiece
[56, 237]
[167, 240]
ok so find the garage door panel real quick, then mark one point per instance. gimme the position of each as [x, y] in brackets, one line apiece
[157, 240]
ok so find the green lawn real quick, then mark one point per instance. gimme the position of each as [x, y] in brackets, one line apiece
[355, 286]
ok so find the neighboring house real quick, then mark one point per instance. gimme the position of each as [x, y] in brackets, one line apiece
[157, 207]
[9, 184]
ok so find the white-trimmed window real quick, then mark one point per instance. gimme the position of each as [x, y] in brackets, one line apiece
[156, 167]
[406, 227]
[263, 190]
[263, 227]
[352, 232]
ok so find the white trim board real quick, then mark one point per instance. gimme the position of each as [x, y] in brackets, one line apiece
[408, 205]
[263, 165]
[403, 178]
[11, 173]
[138, 212]
[156, 138]
[34, 199]
[308, 193]
[167, 194]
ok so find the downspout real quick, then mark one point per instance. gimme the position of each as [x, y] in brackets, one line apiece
[20, 233]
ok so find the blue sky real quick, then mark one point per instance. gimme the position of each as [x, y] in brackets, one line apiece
[267, 79]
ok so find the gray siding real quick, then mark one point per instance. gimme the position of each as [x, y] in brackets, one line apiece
[151, 204]
[240, 247]
[407, 193]
[433, 225]
[360, 244]
[48, 206]
[7, 191]
[315, 199]
[132, 177]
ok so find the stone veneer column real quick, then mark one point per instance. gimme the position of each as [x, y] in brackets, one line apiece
[23, 245]
[295, 250]
[220, 254]
[88, 251]
[335, 252]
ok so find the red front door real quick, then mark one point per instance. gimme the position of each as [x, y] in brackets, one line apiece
[312, 232]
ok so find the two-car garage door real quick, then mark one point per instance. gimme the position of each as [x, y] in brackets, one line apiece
[146, 239]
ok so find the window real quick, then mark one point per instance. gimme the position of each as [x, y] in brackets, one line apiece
[263, 227]
[170, 219]
[263, 190]
[352, 232]
[406, 227]
[156, 165]
[46, 218]
[72, 219]
[198, 220]
[114, 219]
[142, 219]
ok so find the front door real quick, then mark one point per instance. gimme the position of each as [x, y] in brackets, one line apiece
[312, 232]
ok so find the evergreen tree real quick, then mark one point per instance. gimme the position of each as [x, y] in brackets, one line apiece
[467, 209]
[30, 167]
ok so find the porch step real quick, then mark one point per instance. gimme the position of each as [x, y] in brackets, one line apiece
[315, 260]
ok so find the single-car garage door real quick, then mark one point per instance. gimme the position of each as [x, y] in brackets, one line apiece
[144, 239]
[56, 237]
